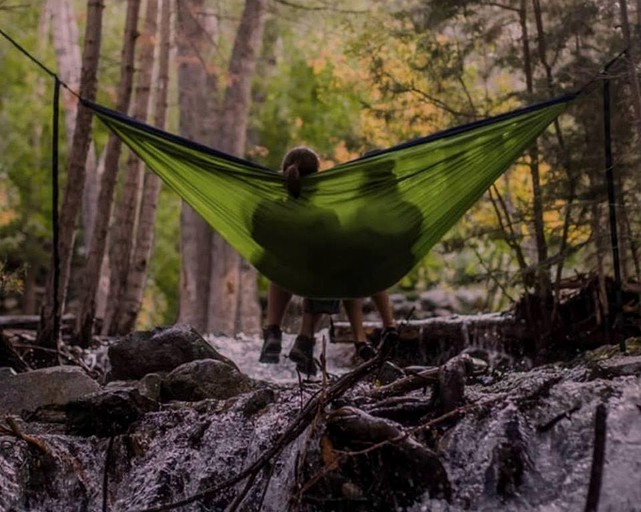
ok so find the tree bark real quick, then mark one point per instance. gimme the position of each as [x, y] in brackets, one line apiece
[68, 57]
[632, 59]
[628, 249]
[122, 233]
[543, 284]
[229, 309]
[145, 233]
[91, 275]
[66, 44]
[72, 197]
[195, 233]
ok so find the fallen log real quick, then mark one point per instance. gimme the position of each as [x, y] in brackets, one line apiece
[31, 322]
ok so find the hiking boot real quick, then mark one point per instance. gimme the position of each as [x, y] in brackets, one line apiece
[272, 343]
[302, 353]
[364, 350]
[389, 341]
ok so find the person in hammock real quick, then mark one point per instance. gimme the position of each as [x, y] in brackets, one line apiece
[300, 162]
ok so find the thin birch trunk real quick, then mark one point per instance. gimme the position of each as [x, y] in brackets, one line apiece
[229, 310]
[195, 233]
[72, 196]
[66, 41]
[132, 300]
[91, 276]
[124, 227]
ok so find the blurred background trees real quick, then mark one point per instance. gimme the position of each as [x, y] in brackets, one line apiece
[254, 78]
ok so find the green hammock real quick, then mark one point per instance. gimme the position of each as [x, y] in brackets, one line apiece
[356, 228]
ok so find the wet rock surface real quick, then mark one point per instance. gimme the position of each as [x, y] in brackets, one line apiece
[205, 378]
[159, 350]
[25, 392]
[473, 434]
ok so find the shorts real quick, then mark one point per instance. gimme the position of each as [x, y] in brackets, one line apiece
[316, 306]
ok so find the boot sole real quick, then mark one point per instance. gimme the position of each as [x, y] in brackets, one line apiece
[303, 364]
[269, 358]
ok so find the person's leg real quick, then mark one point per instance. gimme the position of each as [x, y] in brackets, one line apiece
[354, 312]
[302, 352]
[309, 324]
[384, 307]
[277, 302]
[389, 335]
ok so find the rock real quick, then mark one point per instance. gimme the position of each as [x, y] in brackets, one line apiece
[619, 366]
[149, 386]
[160, 350]
[451, 383]
[206, 378]
[7, 371]
[25, 392]
[107, 412]
[257, 401]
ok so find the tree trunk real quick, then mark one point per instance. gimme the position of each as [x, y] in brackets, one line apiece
[124, 227]
[628, 244]
[66, 43]
[91, 274]
[567, 162]
[147, 220]
[229, 310]
[632, 60]
[195, 233]
[543, 285]
[72, 197]
[68, 57]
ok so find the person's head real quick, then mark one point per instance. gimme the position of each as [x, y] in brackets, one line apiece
[298, 162]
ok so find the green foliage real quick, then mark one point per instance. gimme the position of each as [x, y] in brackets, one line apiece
[11, 281]
[343, 83]
[25, 147]
[303, 106]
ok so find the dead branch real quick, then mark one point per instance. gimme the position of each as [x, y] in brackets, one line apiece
[12, 428]
[105, 474]
[416, 380]
[598, 458]
[298, 425]
[342, 456]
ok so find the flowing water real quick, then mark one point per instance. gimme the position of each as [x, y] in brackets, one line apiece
[544, 415]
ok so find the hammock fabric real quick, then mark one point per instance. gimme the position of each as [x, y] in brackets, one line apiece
[356, 228]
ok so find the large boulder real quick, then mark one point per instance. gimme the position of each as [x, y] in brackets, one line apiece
[58, 385]
[159, 350]
[203, 379]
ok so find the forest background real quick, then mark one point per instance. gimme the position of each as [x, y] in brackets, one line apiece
[256, 77]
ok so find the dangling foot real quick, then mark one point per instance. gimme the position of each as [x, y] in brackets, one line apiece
[302, 353]
[364, 350]
[272, 336]
[389, 341]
